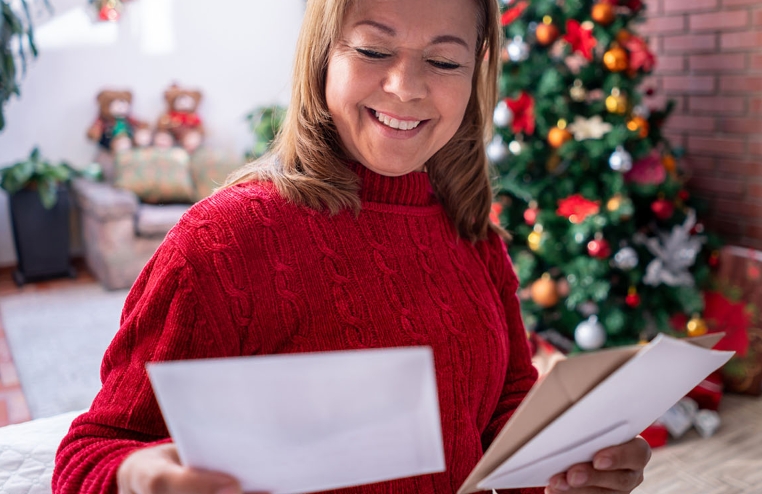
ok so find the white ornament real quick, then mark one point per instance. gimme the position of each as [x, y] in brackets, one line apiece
[707, 422]
[503, 115]
[515, 147]
[620, 160]
[497, 150]
[641, 111]
[675, 252]
[589, 334]
[589, 128]
[518, 49]
[626, 258]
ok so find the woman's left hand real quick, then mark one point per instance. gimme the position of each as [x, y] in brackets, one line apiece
[613, 470]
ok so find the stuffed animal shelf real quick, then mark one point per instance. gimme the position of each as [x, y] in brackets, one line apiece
[115, 129]
[181, 125]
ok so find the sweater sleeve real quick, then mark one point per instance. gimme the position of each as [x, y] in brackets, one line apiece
[521, 374]
[166, 317]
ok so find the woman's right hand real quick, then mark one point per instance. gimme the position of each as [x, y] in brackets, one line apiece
[157, 470]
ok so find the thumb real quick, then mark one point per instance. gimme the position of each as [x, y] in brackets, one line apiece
[196, 481]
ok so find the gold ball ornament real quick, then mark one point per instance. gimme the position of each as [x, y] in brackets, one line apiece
[534, 240]
[546, 32]
[544, 292]
[640, 125]
[616, 59]
[603, 13]
[669, 162]
[578, 92]
[614, 203]
[616, 102]
[558, 136]
[696, 326]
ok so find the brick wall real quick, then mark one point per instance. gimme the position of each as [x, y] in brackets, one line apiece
[710, 63]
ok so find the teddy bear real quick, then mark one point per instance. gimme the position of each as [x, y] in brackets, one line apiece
[181, 124]
[114, 129]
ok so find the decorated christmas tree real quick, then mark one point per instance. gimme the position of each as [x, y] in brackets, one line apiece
[606, 239]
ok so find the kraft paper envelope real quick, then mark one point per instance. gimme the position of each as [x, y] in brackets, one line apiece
[305, 422]
[589, 402]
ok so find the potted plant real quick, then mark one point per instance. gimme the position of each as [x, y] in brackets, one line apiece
[39, 207]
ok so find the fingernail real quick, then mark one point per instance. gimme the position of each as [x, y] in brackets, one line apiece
[560, 485]
[602, 463]
[577, 479]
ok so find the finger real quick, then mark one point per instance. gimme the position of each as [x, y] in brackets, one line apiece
[632, 455]
[196, 481]
[584, 475]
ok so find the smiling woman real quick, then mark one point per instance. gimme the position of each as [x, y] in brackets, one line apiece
[366, 226]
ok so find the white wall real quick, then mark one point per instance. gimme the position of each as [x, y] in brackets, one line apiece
[238, 52]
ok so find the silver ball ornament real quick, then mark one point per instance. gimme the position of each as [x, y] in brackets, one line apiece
[641, 111]
[620, 160]
[626, 258]
[518, 49]
[516, 147]
[497, 150]
[590, 334]
[503, 115]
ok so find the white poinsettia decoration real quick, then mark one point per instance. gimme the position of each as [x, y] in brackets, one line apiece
[589, 128]
[675, 253]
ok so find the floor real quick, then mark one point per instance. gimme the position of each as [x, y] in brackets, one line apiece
[13, 405]
[730, 462]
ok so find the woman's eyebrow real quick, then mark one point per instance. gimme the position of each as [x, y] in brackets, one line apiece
[445, 38]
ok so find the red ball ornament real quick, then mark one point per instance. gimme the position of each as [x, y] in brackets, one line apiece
[663, 209]
[684, 195]
[632, 299]
[530, 216]
[714, 259]
[599, 248]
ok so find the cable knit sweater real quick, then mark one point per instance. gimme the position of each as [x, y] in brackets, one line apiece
[245, 272]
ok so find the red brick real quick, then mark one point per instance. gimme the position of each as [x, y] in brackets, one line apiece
[718, 63]
[756, 61]
[717, 186]
[758, 18]
[732, 83]
[755, 191]
[715, 146]
[716, 21]
[737, 208]
[722, 105]
[670, 63]
[747, 39]
[742, 168]
[689, 5]
[690, 122]
[690, 43]
[754, 237]
[676, 139]
[756, 105]
[729, 230]
[690, 84]
[741, 125]
[653, 7]
[663, 24]
[755, 148]
[736, 3]
[698, 164]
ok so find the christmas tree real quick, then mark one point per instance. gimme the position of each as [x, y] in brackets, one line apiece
[606, 241]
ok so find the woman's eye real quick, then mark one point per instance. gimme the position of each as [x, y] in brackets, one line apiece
[444, 65]
[371, 53]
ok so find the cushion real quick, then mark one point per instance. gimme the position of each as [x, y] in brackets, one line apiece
[155, 175]
[28, 451]
[156, 220]
[209, 170]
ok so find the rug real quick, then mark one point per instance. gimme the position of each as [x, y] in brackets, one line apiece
[57, 339]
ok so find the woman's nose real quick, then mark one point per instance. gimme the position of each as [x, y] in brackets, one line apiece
[406, 79]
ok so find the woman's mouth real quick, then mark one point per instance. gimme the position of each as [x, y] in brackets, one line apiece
[395, 123]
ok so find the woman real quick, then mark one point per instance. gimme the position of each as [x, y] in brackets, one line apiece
[367, 226]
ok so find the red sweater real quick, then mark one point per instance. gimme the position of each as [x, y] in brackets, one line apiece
[246, 273]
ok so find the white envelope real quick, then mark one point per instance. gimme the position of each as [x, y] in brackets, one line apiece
[305, 422]
[638, 385]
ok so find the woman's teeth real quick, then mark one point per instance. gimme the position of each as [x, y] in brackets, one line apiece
[397, 124]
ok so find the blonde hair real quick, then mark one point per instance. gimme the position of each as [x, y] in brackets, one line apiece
[307, 163]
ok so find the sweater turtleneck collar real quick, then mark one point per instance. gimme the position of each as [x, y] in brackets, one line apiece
[412, 189]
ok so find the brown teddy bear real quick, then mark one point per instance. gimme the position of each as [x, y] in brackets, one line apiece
[114, 129]
[181, 124]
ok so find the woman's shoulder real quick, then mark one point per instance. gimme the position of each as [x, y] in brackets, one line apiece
[494, 253]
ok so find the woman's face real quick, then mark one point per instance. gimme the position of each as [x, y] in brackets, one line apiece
[399, 79]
